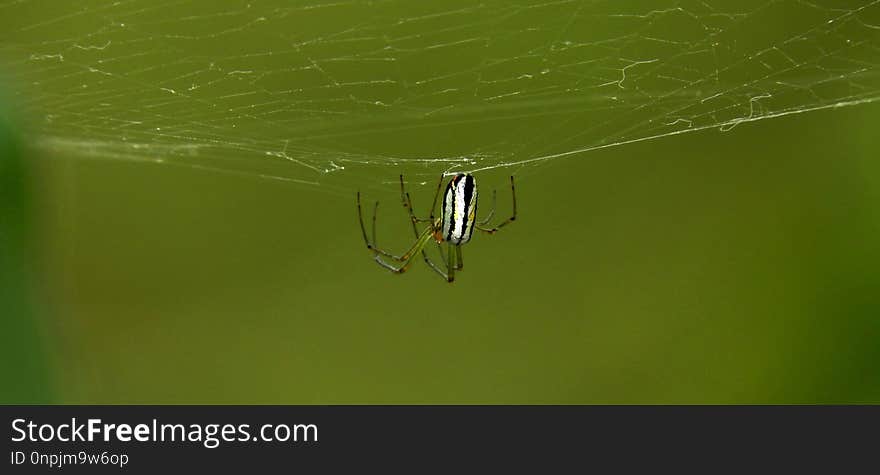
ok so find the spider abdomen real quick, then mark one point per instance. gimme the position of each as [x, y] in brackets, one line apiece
[459, 209]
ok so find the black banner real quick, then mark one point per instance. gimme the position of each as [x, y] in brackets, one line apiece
[413, 439]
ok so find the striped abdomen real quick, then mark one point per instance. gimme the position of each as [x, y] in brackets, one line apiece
[459, 209]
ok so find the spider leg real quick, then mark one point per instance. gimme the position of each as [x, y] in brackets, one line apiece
[428, 260]
[435, 267]
[371, 246]
[418, 247]
[436, 195]
[450, 263]
[491, 213]
[460, 265]
[361, 219]
[407, 203]
[436, 224]
[409, 256]
[508, 220]
[375, 212]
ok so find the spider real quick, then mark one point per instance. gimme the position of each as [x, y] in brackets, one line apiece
[455, 226]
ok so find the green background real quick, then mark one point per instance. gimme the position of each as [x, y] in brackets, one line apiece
[158, 248]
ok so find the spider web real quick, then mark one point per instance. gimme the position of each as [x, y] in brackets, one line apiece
[330, 94]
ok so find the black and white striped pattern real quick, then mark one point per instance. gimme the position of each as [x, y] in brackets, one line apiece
[459, 209]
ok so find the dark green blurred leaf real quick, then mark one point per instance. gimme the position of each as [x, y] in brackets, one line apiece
[22, 352]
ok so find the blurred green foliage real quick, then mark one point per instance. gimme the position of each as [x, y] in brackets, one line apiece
[22, 351]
